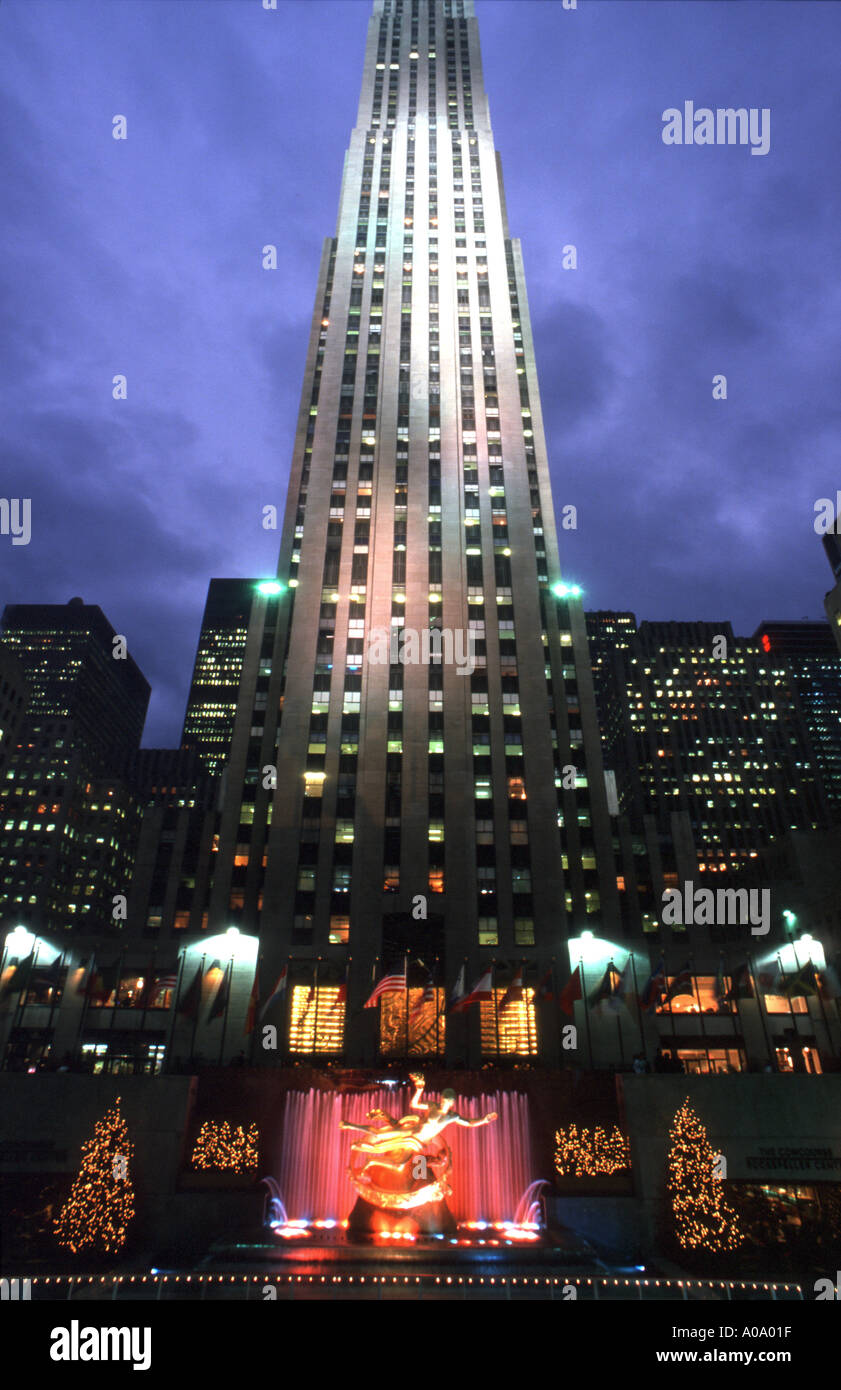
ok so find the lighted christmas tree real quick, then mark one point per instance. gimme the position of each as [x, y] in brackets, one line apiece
[703, 1219]
[101, 1202]
[220, 1147]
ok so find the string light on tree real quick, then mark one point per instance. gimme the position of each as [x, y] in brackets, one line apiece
[703, 1219]
[101, 1202]
[588, 1153]
[221, 1148]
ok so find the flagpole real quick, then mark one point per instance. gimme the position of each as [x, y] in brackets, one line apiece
[30, 972]
[495, 1002]
[733, 998]
[256, 1020]
[148, 986]
[437, 1010]
[85, 1006]
[791, 1012]
[694, 978]
[586, 1011]
[182, 960]
[120, 963]
[228, 983]
[406, 996]
[614, 971]
[315, 1001]
[55, 992]
[639, 1005]
[198, 1006]
[531, 1021]
[822, 1009]
[759, 996]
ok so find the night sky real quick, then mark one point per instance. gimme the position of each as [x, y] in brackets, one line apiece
[142, 257]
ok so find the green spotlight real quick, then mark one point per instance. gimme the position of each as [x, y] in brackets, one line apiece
[271, 587]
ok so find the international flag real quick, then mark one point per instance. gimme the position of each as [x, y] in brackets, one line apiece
[428, 997]
[20, 976]
[570, 992]
[103, 981]
[546, 987]
[769, 977]
[254, 1000]
[682, 983]
[459, 989]
[483, 989]
[624, 991]
[829, 982]
[604, 989]
[389, 984]
[220, 1002]
[191, 998]
[81, 985]
[741, 985]
[277, 993]
[147, 989]
[803, 983]
[514, 992]
[655, 987]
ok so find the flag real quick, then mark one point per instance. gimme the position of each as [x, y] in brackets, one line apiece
[655, 987]
[769, 978]
[545, 987]
[277, 993]
[20, 976]
[103, 981]
[253, 1001]
[81, 986]
[570, 992]
[220, 1002]
[145, 994]
[604, 989]
[681, 984]
[514, 992]
[741, 984]
[389, 984]
[191, 998]
[426, 998]
[483, 989]
[624, 991]
[459, 989]
[803, 983]
[829, 982]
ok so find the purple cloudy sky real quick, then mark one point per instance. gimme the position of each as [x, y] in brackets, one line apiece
[143, 257]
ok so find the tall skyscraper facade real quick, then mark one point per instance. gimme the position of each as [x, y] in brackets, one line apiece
[443, 810]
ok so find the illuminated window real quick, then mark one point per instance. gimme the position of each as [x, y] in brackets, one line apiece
[789, 1059]
[711, 1060]
[508, 1030]
[488, 931]
[436, 879]
[339, 930]
[314, 784]
[411, 1026]
[516, 789]
[391, 878]
[317, 1019]
[779, 1004]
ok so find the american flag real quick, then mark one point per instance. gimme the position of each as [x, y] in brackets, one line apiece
[389, 984]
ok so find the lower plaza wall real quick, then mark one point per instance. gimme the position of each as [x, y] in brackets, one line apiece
[772, 1129]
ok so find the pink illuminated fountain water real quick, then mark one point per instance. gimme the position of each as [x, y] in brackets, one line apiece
[491, 1166]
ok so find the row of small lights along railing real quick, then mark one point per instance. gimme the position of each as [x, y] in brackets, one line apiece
[170, 1285]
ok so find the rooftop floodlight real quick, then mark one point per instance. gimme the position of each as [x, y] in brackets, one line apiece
[561, 590]
[270, 587]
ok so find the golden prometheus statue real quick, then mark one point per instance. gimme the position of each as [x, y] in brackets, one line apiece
[400, 1168]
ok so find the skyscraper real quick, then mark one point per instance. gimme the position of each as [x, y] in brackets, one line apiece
[436, 811]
